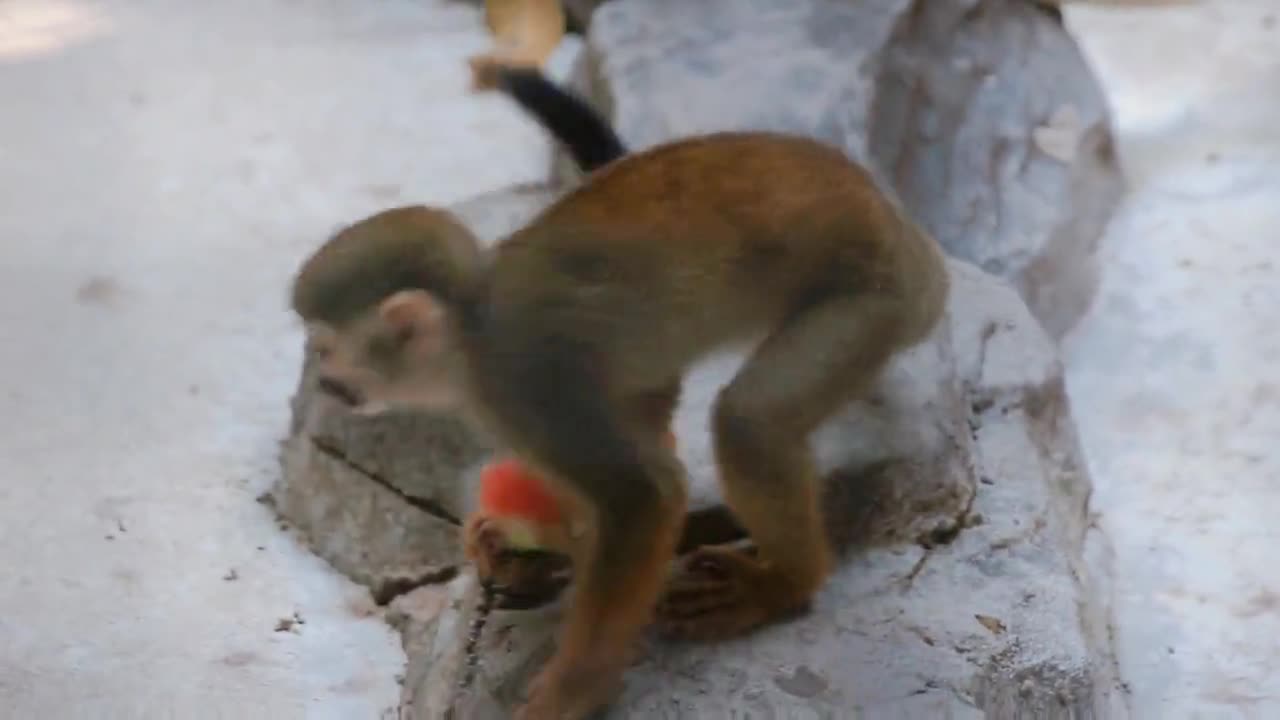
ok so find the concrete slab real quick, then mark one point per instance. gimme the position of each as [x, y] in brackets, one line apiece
[1173, 373]
[163, 168]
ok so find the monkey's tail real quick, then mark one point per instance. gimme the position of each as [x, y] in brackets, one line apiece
[583, 131]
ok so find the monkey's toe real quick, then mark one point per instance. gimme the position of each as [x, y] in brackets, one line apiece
[714, 595]
[483, 543]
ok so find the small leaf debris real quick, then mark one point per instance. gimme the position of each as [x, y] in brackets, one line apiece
[995, 625]
[291, 624]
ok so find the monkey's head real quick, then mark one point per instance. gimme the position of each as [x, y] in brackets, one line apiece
[378, 300]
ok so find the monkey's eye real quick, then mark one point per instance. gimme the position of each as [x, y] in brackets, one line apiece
[402, 335]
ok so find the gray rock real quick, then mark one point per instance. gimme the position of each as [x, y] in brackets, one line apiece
[981, 114]
[958, 497]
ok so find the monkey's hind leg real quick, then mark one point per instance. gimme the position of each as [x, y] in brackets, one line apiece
[800, 375]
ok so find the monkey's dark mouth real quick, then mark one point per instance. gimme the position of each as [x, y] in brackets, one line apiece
[340, 390]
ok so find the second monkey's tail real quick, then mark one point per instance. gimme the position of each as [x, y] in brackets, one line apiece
[584, 132]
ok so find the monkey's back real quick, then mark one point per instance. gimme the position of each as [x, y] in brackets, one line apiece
[705, 241]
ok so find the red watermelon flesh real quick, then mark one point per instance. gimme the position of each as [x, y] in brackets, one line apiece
[509, 489]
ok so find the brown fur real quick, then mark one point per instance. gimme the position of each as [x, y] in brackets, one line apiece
[572, 340]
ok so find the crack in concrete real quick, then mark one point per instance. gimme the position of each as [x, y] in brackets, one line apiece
[426, 506]
[962, 517]
[390, 588]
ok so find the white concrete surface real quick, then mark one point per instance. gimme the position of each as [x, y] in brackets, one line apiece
[164, 166]
[1175, 374]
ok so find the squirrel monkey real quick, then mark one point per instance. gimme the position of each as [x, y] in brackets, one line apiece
[569, 340]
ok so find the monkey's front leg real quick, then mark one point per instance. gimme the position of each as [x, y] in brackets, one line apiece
[620, 564]
[613, 601]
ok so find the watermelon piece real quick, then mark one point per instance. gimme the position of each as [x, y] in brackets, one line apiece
[511, 494]
[509, 489]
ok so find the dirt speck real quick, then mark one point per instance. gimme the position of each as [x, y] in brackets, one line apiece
[239, 659]
[924, 636]
[231, 575]
[98, 290]
[126, 577]
[994, 625]
[1263, 602]
[803, 682]
[383, 191]
[355, 685]
[292, 624]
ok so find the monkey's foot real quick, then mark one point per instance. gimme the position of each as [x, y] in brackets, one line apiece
[721, 592]
[574, 693]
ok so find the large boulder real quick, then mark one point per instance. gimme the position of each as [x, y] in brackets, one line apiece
[969, 584]
[982, 114]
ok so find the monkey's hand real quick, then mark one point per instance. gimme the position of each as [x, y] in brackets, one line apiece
[526, 578]
[718, 592]
[483, 543]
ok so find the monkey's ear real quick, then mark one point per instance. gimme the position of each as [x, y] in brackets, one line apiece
[412, 312]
